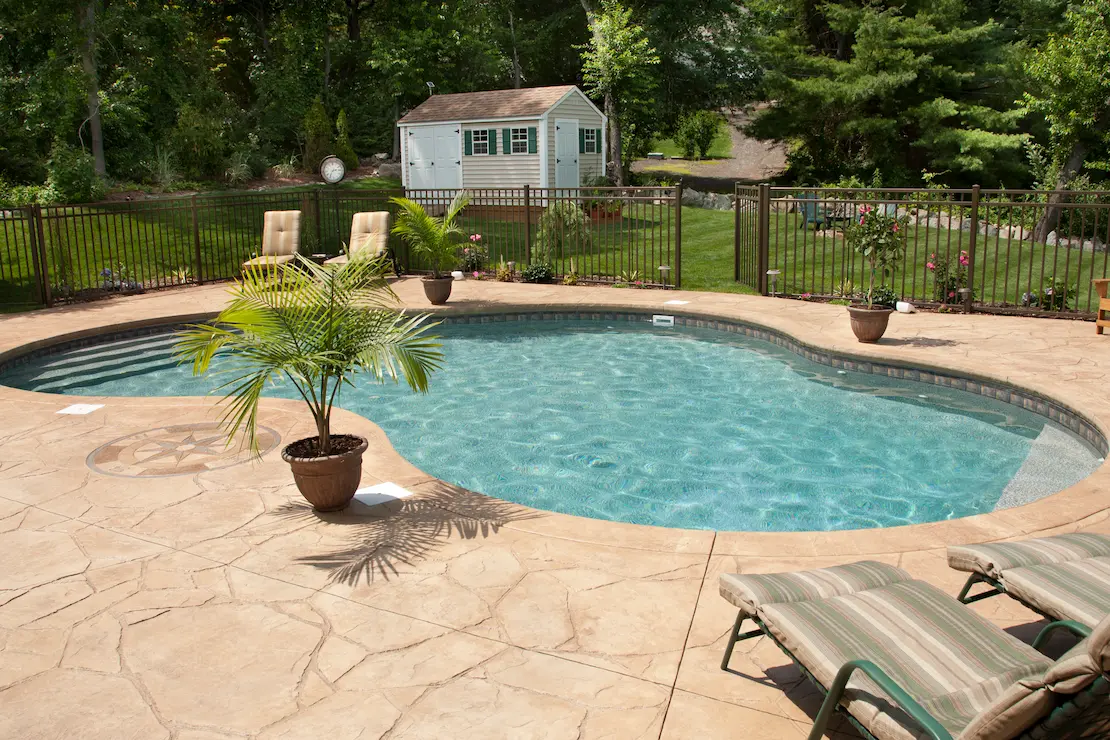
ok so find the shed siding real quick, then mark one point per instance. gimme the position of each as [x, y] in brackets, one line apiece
[574, 107]
[501, 170]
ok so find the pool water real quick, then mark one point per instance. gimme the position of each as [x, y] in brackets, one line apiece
[668, 426]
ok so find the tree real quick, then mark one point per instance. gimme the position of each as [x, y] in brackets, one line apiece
[92, 88]
[317, 135]
[920, 86]
[343, 148]
[1071, 76]
[616, 67]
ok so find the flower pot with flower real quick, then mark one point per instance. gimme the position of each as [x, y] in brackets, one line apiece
[435, 239]
[880, 238]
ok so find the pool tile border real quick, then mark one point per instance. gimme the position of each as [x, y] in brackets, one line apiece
[1014, 395]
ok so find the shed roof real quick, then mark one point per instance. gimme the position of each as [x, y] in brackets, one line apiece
[488, 105]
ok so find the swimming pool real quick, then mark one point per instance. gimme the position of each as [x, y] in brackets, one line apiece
[677, 427]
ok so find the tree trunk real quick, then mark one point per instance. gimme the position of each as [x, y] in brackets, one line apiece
[615, 165]
[1051, 216]
[516, 55]
[92, 89]
[354, 26]
[396, 130]
[327, 55]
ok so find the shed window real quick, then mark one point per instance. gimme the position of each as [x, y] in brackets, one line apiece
[589, 141]
[519, 141]
[480, 142]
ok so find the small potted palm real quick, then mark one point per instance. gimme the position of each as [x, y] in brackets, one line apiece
[880, 238]
[435, 239]
[316, 327]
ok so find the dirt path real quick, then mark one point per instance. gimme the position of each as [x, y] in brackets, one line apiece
[752, 161]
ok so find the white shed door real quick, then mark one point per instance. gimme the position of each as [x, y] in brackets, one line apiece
[566, 154]
[435, 161]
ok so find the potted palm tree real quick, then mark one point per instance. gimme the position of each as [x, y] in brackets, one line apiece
[435, 239]
[880, 238]
[316, 327]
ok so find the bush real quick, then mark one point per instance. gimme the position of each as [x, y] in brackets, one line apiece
[884, 295]
[948, 278]
[696, 133]
[343, 148]
[1057, 295]
[538, 272]
[71, 175]
[563, 224]
[317, 135]
[199, 143]
[474, 255]
[17, 196]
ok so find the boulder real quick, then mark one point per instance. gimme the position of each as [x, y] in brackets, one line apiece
[693, 198]
[390, 170]
[380, 157]
[718, 202]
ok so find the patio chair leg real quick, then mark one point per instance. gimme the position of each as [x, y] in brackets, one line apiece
[733, 636]
[963, 598]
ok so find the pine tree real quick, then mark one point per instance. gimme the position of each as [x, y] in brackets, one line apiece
[343, 148]
[317, 135]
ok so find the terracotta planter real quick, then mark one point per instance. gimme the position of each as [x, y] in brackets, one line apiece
[328, 483]
[603, 214]
[438, 290]
[869, 324]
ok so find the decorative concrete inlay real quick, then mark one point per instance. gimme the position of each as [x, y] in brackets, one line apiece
[182, 449]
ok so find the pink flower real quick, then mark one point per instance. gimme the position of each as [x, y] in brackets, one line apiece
[866, 209]
[895, 228]
[466, 250]
[964, 260]
[475, 237]
[951, 294]
[930, 265]
[476, 273]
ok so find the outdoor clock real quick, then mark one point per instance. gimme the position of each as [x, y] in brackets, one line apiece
[332, 169]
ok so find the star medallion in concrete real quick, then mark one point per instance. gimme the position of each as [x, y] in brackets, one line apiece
[183, 449]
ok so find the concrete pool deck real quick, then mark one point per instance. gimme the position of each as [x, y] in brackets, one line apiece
[215, 604]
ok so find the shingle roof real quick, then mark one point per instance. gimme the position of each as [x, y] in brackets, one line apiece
[491, 104]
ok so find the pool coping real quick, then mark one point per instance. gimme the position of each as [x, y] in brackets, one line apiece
[1066, 509]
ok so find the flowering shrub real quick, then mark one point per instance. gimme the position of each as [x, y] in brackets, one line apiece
[475, 255]
[118, 279]
[1056, 296]
[948, 278]
[881, 239]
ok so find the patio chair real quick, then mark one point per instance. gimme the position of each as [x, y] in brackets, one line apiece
[812, 211]
[369, 237]
[904, 660]
[1102, 315]
[1061, 577]
[281, 237]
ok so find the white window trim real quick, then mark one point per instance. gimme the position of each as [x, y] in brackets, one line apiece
[474, 142]
[589, 138]
[513, 140]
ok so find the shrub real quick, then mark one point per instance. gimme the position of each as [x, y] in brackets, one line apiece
[538, 272]
[879, 238]
[238, 170]
[18, 196]
[696, 133]
[343, 148]
[317, 135]
[948, 278]
[884, 295]
[1057, 295]
[474, 255]
[199, 143]
[562, 225]
[71, 175]
[504, 272]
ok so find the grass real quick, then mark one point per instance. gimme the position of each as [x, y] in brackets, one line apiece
[707, 252]
[721, 148]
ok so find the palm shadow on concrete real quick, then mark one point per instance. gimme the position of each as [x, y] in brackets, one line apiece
[919, 342]
[401, 533]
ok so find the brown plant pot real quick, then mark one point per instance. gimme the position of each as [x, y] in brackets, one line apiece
[869, 324]
[604, 214]
[438, 290]
[328, 483]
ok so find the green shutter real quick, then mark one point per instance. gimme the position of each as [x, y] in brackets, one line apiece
[492, 134]
[507, 137]
[581, 141]
[597, 140]
[532, 148]
[468, 143]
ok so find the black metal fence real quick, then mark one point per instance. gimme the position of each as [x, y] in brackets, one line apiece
[992, 250]
[67, 253]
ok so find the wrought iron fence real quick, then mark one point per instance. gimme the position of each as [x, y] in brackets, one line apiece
[991, 250]
[66, 253]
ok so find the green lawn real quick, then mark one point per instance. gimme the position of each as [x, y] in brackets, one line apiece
[720, 149]
[707, 252]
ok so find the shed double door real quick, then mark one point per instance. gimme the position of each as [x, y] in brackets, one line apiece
[435, 157]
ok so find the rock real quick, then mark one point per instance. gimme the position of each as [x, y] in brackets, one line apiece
[988, 229]
[380, 157]
[693, 198]
[390, 170]
[1015, 233]
[718, 202]
[1051, 240]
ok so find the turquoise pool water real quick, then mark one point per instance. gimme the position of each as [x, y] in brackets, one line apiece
[673, 427]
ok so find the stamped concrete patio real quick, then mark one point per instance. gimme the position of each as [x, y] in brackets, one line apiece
[211, 603]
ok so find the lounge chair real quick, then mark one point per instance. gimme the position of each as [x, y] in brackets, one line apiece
[281, 237]
[1061, 577]
[931, 667]
[369, 237]
[812, 211]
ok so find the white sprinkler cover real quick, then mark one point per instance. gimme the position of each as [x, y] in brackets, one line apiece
[905, 307]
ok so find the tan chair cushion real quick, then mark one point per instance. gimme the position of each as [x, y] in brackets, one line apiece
[369, 233]
[750, 592]
[281, 233]
[991, 559]
[340, 260]
[270, 260]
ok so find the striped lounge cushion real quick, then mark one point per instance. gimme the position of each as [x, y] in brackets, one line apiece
[993, 558]
[952, 661]
[1078, 590]
[749, 592]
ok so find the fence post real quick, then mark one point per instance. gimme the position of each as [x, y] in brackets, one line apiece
[678, 236]
[527, 221]
[316, 218]
[973, 239]
[196, 243]
[764, 220]
[736, 232]
[36, 262]
[40, 232]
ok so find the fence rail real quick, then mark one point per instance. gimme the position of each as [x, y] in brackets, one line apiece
[1009, 251]
[52, 254]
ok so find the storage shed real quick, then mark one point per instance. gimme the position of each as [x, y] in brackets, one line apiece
[544, 137]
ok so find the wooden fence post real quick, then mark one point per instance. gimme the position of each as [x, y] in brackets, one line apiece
[764, 247]
[678, 236]
[196, 243]
[973, 240]
[527, 221]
